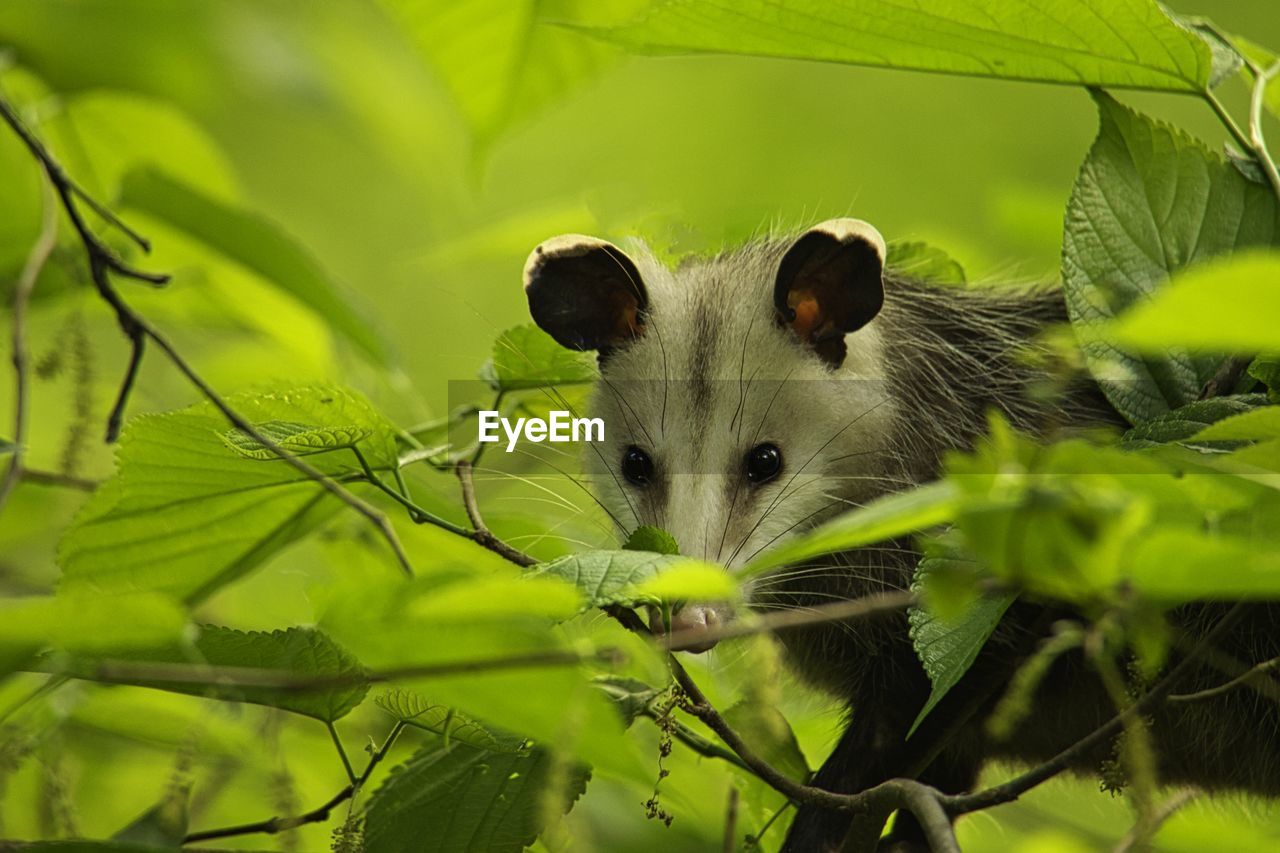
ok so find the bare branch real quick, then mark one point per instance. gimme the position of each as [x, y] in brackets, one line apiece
[481, 534]
[1254, 675]
[102, 262]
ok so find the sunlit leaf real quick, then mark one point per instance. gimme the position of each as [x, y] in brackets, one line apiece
[186, 515]
[688, 580]
[924, 261]
[1149, 201]
[526, 357]
[1201, 309]
[1185, 565]
[459, 798]
[770, 735]
[1121, 43]
[1256, 425]
[608, 577]
[649, 538]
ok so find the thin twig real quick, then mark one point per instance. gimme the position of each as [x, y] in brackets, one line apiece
[134, 672]
[1136, 836]
[1254, 674]
[731, 821]
[280, 824]
[36, 259]
[480, 533]
[342, 752]
[103, 261]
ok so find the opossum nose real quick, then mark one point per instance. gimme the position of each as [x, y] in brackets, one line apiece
[692, 627]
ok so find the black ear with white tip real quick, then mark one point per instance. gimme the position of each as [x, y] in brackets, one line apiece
[584, 292]
[830, 283]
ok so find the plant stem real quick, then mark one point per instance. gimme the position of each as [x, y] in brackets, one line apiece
[342, 752]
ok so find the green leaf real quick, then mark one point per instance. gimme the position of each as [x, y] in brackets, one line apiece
[1228, 305]
[186, 515]
[884, 518]
[948, 647]
[77, 624]
[1227, 61]
[1150, 200]
[1256, 425]
[458, 798]
[630, 696]
[1121, 43]
[258, 245]
[526, 357]
[500, 62]
[163, 825]
[687, 580]
[770, 735]
[304, 653]
[410, 708]
[1190, 420]
[298, 439]
[1179, 565]
[1266, 369]
[607, 577]
[649, 538]
[924, 261]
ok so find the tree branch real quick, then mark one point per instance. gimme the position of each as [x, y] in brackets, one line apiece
[480, 533]
[316, 815]
[103, 261]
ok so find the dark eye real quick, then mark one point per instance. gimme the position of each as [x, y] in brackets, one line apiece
[637, 467]
[764, 461]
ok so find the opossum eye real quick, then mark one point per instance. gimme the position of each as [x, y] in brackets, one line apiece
[637, 467]
[764, 461]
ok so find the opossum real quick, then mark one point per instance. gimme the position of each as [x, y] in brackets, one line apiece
[754, 394]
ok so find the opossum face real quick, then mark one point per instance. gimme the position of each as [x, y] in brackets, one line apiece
[743, 396]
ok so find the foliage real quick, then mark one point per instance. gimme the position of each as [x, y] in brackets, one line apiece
[227, 616]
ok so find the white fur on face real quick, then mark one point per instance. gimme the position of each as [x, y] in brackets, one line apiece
[713, 376]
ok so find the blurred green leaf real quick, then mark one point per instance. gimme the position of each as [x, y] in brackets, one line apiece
[1124, 43]
[1149, 201]
[499, 60]
[86, 624]
[1228, 305]
[459, 798]
[629, 695]
[649, 538]
[948, 647]
[259, 245]
[410, 708]
[884, 518]
[924, 261]
[1181, 565]
[770, 735]
[687, 580]
[526, 357]
[186, 515]
[164, 825]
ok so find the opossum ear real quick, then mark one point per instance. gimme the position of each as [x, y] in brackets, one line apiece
[830, 284]
[585, 293]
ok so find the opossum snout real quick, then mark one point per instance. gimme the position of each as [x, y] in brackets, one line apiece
[693, 626]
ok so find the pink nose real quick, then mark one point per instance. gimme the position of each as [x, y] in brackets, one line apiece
[689, 624]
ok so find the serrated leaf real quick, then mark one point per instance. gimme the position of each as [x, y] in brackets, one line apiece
[649, 538]
[1230, 304]
[526, 357]
[304, 653]
[259, 245]
[1256, 425]
[1189, 421]
[185, 515]
[1227, 61]
[412, 709]
[1266, 369]
[607, 577]
[1148, 202]
[298, 439]
[1120, 43]
[948, 647]
[884, 518]
[459, 798]
[924, 261]
[770, 736]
